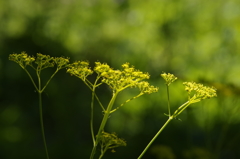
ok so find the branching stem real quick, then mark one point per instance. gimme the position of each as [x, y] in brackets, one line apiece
[103, 123]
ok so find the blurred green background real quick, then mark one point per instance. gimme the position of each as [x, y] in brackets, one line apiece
[195, 40]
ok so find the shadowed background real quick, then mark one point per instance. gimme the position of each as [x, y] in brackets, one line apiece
[195, 40]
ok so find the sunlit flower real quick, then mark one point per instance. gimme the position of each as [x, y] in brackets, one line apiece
[80, 69]
[146, 88]
[169, 78]
[121, 79]
[198, 92]
[42, 61]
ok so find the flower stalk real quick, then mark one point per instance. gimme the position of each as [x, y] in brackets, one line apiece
[38, 64]
[117, 81]
[196, 93]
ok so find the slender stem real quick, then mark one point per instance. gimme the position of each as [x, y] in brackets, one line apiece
[92, 105]
[96, 85]
[101, 156]
[91, 120]
[127, 102]
[41, 121]
[181, 108]
[169, 110]
[154, 138]
[103, 123]
[31, 79]
[103, 152]
[49, 80]
[41, 113]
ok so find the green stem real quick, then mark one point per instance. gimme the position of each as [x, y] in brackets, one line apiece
[181, 109]
[49, 80]
[41, 113]
[96, 85]
[103, 152]
[169, 110]
[126, 102]
[92, 105]
[42, 127]
[154, 138]
[91, 120]
[175, 114]
[31, 79]
[103, 123]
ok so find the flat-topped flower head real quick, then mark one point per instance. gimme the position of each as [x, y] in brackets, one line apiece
[145, 87]
[199, 91]
[61, 62]
[44, 61]
[121, 79]
[22, 59]
[80, 69]
[133, 73]
[169, 78]
[102, 68]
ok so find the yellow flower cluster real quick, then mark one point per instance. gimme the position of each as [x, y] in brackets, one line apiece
[42, 61]
[128, 77]
[61, 62]
[80, 69]
[200, 91]
[110, 141]
[22, 59]
[145, 87]
[169, 78]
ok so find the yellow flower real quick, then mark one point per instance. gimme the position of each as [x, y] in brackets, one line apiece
[169, 78]
[22, 59]
[121, 79]
[110, 141]
[199, 91]
[80, 69]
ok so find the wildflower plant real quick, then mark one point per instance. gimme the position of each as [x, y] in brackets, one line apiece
[38, 64]
[196, 93]
[117, 80]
